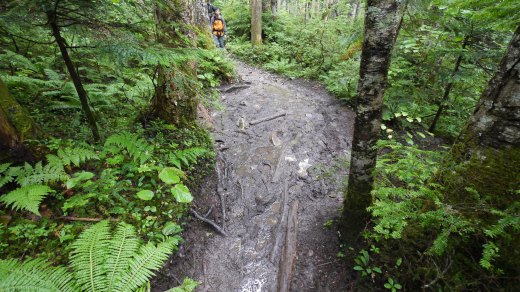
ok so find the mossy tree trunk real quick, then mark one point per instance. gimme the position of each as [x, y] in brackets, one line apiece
[493, 131]
[175, 99]
[382, 23]
[256, 22]
[485, 159]
[16, 123]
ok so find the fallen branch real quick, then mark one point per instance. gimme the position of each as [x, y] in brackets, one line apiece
[72, 218]
[279, 233]
[288, 258]
[210, 222]
[267, 119]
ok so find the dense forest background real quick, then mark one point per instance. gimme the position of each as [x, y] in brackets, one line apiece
[101, 105]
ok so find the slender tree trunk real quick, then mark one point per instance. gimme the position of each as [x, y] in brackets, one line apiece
[82, 94]
[256, 22]
[274, 7]
[448, 87]
[382, 23]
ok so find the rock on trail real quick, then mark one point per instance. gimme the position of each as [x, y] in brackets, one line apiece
[278, 142]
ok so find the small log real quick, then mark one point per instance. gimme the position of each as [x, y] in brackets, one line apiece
[279, 229]
[267, 119]
[286, 266]
[210, 222]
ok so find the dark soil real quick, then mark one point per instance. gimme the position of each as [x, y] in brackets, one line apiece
[306, 150]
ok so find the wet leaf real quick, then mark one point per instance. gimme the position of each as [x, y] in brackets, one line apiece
[145, 195]
[169, 175]
[182, 194]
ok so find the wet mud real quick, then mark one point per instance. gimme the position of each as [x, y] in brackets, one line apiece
[281, 146]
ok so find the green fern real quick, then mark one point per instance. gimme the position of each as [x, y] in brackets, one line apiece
[100, 261]
[7, 174]
[34, 275]
[39, 174]
[187, 157]
[71, 156]
[137, 148]
[26, 198]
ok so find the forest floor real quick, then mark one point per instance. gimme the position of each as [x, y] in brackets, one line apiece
[281, 182]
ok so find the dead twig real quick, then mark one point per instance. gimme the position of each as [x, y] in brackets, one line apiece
[210, 222]
[267, 119]
[72, 218]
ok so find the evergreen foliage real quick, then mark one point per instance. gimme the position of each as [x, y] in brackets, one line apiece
[100, 261]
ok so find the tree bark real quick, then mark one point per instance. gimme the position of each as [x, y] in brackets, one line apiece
[15, 118]
[382, 23]
[9, 138]
[82, 94]
[172, 103]
[256, 22]
[486, 157]
[448, 87]
[496, 120]
[274, 7]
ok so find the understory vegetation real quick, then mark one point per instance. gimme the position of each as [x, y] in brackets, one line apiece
[141, 171]
[432, 226]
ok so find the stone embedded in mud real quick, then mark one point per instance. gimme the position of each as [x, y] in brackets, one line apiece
[303, 165]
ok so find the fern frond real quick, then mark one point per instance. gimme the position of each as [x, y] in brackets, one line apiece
[122, 248]
[142, 266]
[26, 198]
[88, 256]
[187, 157]
[34, 275]
[71, 156]
[39, 174]
[137, 148]
[7, 174]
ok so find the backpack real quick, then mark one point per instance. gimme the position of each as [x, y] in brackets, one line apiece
[218, 27]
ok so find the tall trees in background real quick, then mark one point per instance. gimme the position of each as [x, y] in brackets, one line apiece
[382, 23]
[256, 22]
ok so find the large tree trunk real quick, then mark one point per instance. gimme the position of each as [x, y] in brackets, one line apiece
[496, 121]
[15, 118]
[9, 137]
[173, 102]
[256, 22]
[82, 94]
[487, 156]
[382, 23]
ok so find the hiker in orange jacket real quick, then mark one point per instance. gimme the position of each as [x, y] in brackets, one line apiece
[218, 28]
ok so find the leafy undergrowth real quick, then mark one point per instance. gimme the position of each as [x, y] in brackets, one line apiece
[424, 236]
[137, 178]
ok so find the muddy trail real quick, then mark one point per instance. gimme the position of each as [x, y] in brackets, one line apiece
[281, 145]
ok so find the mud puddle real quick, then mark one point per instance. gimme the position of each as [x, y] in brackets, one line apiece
[277, 142]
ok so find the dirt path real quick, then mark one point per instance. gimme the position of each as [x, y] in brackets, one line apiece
[280, 186]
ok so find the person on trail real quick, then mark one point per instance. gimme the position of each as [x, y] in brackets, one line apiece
[211, 10]
[218, 28]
